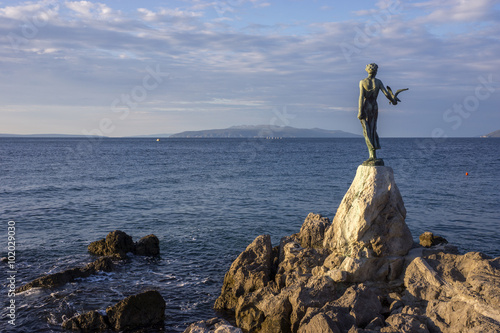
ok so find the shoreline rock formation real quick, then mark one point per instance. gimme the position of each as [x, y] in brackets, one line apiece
[114, 247]
[144, 310]
[360, 273]
[118, 243]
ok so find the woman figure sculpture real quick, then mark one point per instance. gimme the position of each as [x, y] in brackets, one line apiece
[368, 110]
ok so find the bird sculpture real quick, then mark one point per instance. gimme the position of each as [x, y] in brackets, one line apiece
[395, 98]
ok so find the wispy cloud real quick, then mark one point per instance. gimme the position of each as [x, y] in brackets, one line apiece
[83, 54]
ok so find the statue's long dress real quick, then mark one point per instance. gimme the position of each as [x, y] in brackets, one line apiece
[369, 123]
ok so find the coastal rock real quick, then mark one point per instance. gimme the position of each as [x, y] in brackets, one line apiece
[147, 246]
[313, 230]
[462, 292]
[104, 264]
[146, 309]
[91, 321]
[405, 323]
[264, 310]
[298, 264]
[118, 243]
[371, 217]
[214, 325]
[428, 239]
[249, 272]
[357, 307]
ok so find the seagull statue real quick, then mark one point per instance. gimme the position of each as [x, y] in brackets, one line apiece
[395, 98]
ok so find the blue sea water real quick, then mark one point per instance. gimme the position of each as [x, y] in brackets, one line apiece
[206, 200]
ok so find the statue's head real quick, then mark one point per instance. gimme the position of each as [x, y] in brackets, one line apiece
[371, 68]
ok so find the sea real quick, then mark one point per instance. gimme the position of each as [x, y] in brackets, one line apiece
[206, 200]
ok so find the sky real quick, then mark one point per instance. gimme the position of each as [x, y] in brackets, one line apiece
[123, 68]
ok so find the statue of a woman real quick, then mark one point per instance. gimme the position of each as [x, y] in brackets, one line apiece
[368, 111]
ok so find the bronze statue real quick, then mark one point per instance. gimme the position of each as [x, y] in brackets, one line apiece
[368, 110]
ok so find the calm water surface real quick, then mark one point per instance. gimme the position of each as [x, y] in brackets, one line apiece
[206, 200]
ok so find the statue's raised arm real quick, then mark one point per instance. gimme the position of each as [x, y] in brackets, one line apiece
[368, 110]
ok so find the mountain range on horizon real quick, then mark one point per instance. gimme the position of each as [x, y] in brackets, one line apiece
[264, 131]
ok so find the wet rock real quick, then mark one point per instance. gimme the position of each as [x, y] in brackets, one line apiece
[104, 264]
[146, 309]
[371, 216]
[313, 230]
[249, 272]
[116, 243]
[147, 246]
[428, 239]
[214, 325]
[91, 321]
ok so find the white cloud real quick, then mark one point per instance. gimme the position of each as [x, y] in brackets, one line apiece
[88, 10]
[448, 11]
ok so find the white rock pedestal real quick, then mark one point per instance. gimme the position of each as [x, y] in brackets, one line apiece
[370, 221]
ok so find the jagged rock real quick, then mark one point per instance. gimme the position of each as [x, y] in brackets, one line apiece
[313, 230]
[318, 291]
[91, 321]
[462, 291]
[264, 310]
[104, 264]
[427, 239]
[147, 246]
[139, 311]
[405, 323]
[371, 216]
[146, 309]
[116, 243]
[249, 272]
[298, 264]
[357, 307]
[320, 323]
[214, 325]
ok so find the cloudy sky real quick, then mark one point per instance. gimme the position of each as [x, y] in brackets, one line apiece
[122, 67]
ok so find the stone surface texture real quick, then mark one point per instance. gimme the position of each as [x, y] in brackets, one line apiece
[370, 217]
[146, 309]
[134, 313]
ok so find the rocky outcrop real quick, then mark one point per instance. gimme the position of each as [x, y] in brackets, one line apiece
[118, 243]
[91, 321]
[147, 246]
[249, 272]
[428, 239]
[458, 291]
[214, 325]
[144, 310]
[433, 291]
[313, 230]
[371, 217]
[104, 264]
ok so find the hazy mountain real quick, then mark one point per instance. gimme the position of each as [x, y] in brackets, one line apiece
[495, 134]
[263, 131]
[43, 135]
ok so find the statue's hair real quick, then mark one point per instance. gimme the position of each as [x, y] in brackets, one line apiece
[373, 67]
